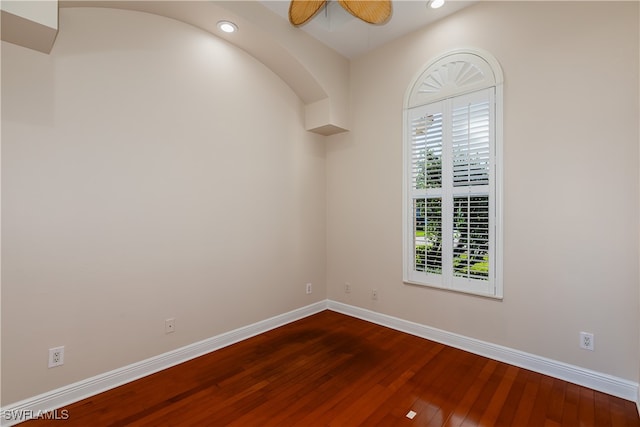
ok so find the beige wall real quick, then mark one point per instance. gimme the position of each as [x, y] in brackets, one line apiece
[570, 182]
[149, 170]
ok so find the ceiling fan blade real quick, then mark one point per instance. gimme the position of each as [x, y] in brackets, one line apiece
[300, 11]
[371, 11]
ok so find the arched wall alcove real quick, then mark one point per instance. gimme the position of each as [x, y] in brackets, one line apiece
[318, 75]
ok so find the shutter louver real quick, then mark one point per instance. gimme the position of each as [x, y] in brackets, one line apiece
[470, 139]
[427, 217]
[471, 237]
[426, 151]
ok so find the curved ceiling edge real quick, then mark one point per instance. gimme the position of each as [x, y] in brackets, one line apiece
[257, 43]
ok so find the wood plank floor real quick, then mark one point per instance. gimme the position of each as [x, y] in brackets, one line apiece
[334, 370]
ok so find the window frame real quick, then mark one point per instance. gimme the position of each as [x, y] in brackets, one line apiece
[444, 80]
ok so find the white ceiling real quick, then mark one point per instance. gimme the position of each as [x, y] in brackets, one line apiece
[352, 37]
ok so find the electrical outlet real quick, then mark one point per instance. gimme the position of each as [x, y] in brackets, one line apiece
[309, 289]
[374, 294]
[56, 356]
[169, 325]
[347, 288]
[587, 341]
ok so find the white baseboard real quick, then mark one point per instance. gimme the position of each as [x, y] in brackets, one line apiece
[49, 401]
[605, 383]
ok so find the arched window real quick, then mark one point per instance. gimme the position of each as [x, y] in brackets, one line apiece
[452, 178]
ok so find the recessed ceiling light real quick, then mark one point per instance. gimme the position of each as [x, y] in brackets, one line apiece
[227, 26]
[434, 4]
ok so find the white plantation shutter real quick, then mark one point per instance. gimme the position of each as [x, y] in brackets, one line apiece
[471, 243]
[426, 190]
[427, 216]
[472, 151]
[451, 193]
[470, 141]
[426, 146]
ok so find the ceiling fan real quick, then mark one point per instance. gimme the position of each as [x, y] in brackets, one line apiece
[370, 11]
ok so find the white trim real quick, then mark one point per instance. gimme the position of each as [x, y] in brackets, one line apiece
[66, 395]
[406, 167]
[498, 165]
[605, 383]
[91, 386]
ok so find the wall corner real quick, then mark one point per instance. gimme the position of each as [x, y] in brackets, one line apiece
[31, 24]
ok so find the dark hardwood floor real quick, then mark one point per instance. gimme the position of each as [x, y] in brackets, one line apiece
[334, 370]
